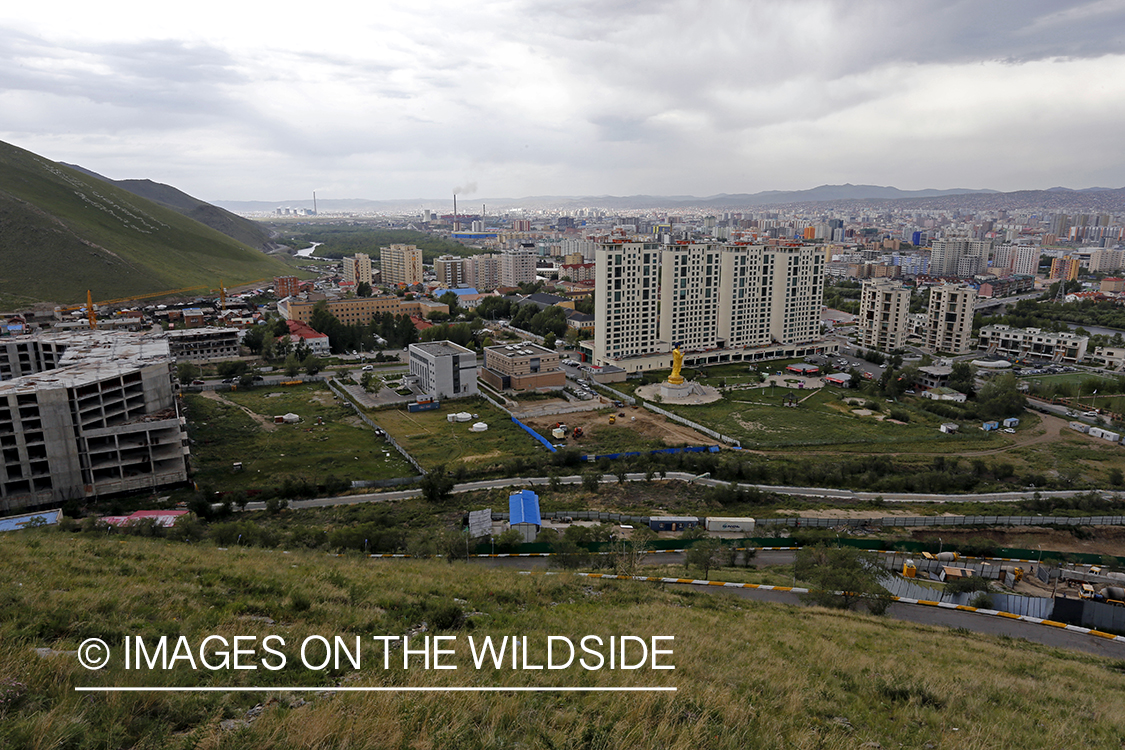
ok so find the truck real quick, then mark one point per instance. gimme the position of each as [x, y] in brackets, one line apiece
[723, 523]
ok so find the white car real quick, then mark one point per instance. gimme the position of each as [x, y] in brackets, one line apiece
[1009, 430]
[1090, 414]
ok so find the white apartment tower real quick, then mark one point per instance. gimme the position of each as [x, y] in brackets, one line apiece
[401, 264]
[626, 292]
[357, 269]
[950, 318]
[518, 267]
[883, 309]
[712, 296]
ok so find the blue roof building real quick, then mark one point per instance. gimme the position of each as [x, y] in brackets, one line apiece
[523, 513]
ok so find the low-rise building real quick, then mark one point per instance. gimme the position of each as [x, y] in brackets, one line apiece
[203, 344]
[522, 367]
[443, 369]
[1033, 343]
[315, 342]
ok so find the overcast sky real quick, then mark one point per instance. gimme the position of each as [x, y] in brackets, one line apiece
[270, 101]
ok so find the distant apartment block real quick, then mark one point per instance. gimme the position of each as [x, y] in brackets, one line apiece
[1103, 260]
[354, 310]
[451, 271]
[203, 344]
[1065, 268]
[357, 269]
[443, 369]
[1006, 287]
[483, 271]
[950, 318]
[1033, 343]
[93, 414]
[1020, 259]
[286, 286]
[522, 367]
[946, 256]
[884, 307]
[401, 264]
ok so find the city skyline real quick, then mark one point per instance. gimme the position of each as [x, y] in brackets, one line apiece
[666, 98]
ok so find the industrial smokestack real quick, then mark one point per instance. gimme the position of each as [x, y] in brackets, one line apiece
[456, 223]
[314, 203]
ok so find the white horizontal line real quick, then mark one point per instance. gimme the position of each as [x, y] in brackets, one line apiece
[376, 689]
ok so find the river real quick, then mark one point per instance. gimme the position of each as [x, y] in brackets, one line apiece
[308, 251]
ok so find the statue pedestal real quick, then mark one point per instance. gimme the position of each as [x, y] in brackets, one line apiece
[675, 390]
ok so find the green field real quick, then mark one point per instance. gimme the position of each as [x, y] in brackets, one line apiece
[343, 447]
[748, 675]
[433, 440]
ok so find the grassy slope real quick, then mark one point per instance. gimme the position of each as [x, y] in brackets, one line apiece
[63, 232]
[749, 675]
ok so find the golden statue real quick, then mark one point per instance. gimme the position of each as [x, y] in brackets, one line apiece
[677, 362]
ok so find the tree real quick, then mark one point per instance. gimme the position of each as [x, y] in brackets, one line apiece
[549, 340]
[292, 365]
[437, 485]
[962, 378]
[311, 364]
[363, 289]
[841, 577]
[187, 371]
[254, 339]
[706, 554]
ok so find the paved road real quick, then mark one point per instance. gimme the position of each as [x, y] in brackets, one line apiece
[820, 492]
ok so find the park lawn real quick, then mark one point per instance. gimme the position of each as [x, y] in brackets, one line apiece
[342, 447]
[758, 420]
[433, 440]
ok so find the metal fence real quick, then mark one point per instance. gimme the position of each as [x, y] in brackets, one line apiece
[358, 484]
[947, 521]
[370, 423]
[1032, 606]
[620, 396]
[693, 425]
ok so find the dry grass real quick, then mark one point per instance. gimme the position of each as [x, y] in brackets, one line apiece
[749, 675]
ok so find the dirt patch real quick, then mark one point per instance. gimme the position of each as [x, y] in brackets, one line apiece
[1103, 540]
[481, 456]
[639, 421]
[267, 424]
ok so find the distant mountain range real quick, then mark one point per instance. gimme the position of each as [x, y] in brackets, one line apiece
[63, 231]
[1095, 198]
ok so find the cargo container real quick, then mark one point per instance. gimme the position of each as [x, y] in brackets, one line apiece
[672, 523]
[1112, 437]
[1080, 426]
[990, 426]
[1011, 422]
[1095, 432]
[741, 525]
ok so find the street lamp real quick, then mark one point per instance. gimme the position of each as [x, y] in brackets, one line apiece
[940, 543]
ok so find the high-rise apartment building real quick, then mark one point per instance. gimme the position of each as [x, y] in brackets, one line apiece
[483, 271]
[401, 264]
[950, 318]
[518, 266]
[946, 254]
[286, 286]
[1106, 260]
[451, 271]
[712, 296]
[357, 269]
[1065, 268]
[884, 307]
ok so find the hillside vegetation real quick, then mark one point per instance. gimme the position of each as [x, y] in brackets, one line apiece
[748, 675]
[63, 231]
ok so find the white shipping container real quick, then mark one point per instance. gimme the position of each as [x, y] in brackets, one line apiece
[1095, 432]
[742, 525]
[1080, 426]
[1112, 437]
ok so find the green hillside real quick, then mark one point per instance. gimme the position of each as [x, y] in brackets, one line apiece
[63, 232]
[748, 675]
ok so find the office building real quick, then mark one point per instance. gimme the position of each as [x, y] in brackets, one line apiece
[443, 369]
[91, 413]
[522, 367]
[286, 286]
[401, 264]
[883, 309]
[357, 269]
[949, 325]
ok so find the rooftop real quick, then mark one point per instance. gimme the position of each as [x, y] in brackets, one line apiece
[441, 348]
